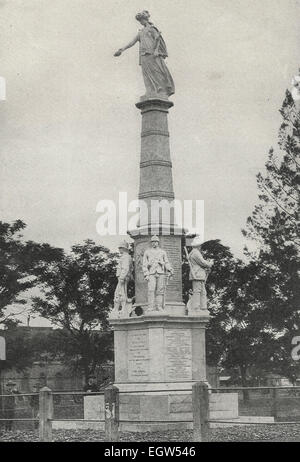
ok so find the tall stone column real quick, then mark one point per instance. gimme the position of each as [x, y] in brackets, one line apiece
[156, 187]
[156, 182]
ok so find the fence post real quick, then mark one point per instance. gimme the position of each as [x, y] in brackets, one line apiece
[45, 414]
[111, 407]
[275, 404]
[200, 400]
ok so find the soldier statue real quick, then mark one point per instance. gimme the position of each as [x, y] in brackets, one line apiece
[155, 268]
[124, 270]
[199, 270]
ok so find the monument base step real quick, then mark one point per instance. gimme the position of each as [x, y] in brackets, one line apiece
[161, 408]
[153, 427]
[78, 425]
[243, 420]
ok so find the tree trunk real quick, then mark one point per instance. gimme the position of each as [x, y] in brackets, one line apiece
[246, 395]
[86, 371]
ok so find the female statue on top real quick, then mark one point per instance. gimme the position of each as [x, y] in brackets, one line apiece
[153, 51]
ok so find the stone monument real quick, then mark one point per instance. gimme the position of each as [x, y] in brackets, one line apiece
[199, 271]
[155, 267]
[160, 354]
[122, 305]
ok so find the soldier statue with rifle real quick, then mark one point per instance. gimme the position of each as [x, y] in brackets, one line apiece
[199, 270]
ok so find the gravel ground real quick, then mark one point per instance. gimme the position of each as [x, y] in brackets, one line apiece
[241, 433]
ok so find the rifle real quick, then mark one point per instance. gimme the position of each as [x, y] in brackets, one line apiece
[165, 290]
[188, 259]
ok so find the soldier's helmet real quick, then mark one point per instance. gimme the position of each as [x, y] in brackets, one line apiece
[196, 242]
[123, 245]
[154, 239]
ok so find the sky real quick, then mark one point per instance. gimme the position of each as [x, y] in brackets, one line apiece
[70, 131]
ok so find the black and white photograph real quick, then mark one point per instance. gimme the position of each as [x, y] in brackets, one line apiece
[149, 224]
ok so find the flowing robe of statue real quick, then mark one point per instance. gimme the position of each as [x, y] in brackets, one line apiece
[153, 52]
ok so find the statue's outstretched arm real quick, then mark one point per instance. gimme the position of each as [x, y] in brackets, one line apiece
[129, 45]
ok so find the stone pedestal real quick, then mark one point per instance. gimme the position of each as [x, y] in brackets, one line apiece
[157, 360]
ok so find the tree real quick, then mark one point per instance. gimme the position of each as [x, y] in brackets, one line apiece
[275, 220]
[77, 294]
[219, 291]
[91, 348]
[239, 333]
[274, 227]
[13, 271]
[247, 331]
[218, 287]
[17, 261]
[22, 346]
